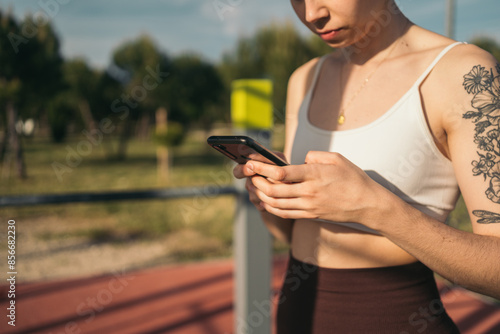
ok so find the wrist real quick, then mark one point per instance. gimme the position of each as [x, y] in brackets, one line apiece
[388, 212]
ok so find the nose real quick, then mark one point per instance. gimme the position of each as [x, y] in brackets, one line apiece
[315, 11]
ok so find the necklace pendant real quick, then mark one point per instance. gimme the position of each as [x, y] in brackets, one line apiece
[341, 120]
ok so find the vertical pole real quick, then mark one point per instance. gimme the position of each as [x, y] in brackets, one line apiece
[450, 19]
[251, 105]
[162, 149]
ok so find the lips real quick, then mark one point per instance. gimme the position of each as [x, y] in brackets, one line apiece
[329, 34]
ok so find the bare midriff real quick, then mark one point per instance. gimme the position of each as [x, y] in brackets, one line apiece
[331, 245]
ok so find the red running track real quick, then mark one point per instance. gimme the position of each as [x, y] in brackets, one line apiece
[181, 299]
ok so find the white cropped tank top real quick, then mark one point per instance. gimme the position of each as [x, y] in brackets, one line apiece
[396, 150]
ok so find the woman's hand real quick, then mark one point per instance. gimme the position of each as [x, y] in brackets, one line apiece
[327, 186]
[242, 171]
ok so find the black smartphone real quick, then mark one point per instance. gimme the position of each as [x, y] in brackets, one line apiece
[241, 149]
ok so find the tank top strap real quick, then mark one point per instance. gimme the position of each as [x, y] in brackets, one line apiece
[307, 98]
[317, 69]
[436, 60]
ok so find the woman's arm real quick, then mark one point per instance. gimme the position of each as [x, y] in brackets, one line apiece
[471, 98]
[471, 260]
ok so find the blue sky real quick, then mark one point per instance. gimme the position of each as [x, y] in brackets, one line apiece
[93, 28]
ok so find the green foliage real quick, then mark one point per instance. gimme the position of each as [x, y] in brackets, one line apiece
[77, 90]
[59, 114]
[9, 83]
[459, 217]
[274, 52]
[135, 55]
[107, 89]
[143, 63]
[173, 136]
[489, 45]
[138, 58]
[30, 75]
[80, 78]
[190, 90]
[193, 91]
[30, 66]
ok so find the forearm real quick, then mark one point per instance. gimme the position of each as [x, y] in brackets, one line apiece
[280, 228]
[467, 259]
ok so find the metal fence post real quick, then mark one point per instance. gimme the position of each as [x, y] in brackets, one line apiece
[450, 19]
[251, 110]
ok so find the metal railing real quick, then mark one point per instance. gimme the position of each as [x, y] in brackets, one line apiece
[166, 193]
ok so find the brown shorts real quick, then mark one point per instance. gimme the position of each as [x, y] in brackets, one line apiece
[396, 300]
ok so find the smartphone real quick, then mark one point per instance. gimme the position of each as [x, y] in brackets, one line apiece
[241, 149]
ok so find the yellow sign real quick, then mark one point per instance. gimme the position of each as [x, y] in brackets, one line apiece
[251, 104]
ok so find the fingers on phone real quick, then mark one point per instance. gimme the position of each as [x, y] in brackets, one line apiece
[254, 199]
[258, 157]
[237, 172]
[242, 171]
[249, 185]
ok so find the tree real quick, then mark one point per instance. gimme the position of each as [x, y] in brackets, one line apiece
[82, 82]
[274, 52]
[188, 87]
[147, 67]
[108, 88]
[60, 112]
[74, 100]
[30, 74]
[193, 92]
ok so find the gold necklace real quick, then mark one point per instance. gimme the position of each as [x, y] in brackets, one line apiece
[341, 118]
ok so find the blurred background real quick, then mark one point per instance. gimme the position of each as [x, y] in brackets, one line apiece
[121, 95]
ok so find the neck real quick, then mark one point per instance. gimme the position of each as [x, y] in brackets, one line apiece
[386, 28]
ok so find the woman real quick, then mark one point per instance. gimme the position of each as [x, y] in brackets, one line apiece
[380, 134]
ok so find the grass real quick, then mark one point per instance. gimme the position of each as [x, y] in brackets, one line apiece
[193, 164]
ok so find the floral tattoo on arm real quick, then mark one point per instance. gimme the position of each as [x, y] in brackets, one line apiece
[485, 86]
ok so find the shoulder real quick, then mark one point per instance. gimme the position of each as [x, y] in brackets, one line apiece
[447, 92]
[464, 58]
[462, 90]
[463, 71]
[466, 71]
[456, 62]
